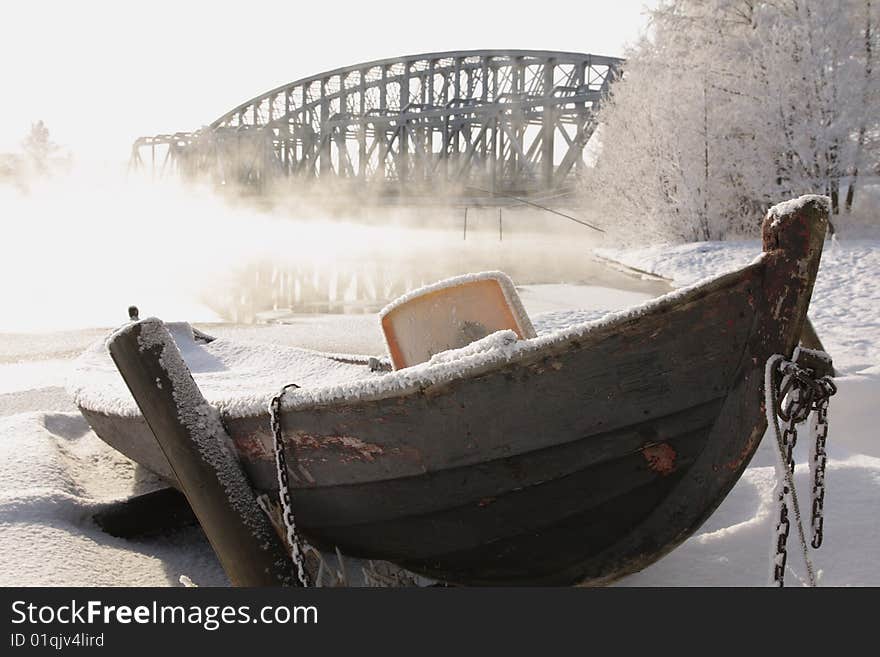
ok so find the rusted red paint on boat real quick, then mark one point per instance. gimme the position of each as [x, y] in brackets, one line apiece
[350, 446]
[661, 458]
[251, 446]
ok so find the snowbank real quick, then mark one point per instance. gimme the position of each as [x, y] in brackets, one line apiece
[57, 474]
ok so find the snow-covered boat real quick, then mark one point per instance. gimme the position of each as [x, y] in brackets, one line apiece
[577, 456]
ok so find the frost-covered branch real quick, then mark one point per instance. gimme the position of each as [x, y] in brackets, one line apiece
[732, 105]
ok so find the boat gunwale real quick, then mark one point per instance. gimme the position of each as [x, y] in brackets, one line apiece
[524, 352]
[428, 378]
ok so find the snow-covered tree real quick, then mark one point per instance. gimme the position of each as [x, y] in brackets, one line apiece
[731, 105]
[867, 150]
[38, 147]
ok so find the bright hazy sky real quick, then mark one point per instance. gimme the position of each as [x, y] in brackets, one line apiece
[101, 73]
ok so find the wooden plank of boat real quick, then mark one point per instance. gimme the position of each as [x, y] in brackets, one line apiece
[580, 458]
[191, 435]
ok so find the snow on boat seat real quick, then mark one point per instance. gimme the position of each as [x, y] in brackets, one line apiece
[231, 373]
[452, 314]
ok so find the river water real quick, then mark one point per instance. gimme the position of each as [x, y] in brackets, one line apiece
[78, 250]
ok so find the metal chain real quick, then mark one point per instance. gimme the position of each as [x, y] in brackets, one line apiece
[782, 529]
[293, 539]
[783, 526]
[820, 460]
[798, 393]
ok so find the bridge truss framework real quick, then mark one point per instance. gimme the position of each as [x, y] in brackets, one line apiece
[511, 121]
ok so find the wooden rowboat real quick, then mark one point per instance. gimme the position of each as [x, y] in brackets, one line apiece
[574, 457]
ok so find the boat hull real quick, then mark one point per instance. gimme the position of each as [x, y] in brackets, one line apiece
[579, 462]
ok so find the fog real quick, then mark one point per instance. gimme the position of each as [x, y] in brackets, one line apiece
[78, 249]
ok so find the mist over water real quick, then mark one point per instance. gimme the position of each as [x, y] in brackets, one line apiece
[78, 250]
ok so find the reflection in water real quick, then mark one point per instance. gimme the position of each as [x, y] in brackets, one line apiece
[78, 250]
[365, 276]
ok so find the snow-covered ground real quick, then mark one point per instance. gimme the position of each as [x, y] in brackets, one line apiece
[57, 473]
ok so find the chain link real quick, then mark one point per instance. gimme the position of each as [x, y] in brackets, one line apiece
[293, 539]
[782, 530]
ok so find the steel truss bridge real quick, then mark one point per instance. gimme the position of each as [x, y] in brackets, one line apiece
[506, 121]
